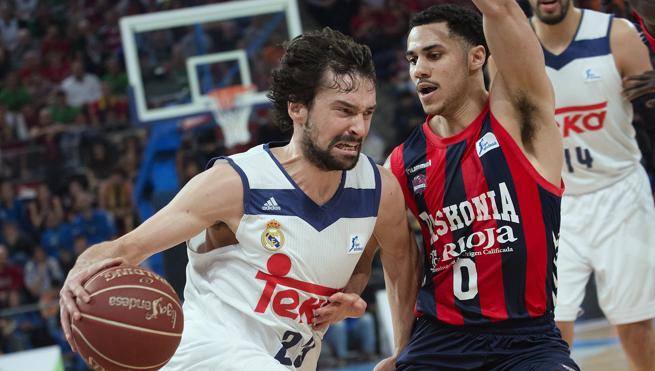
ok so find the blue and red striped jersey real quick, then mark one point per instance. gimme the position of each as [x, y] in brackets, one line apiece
[646, 37]
[490, 224]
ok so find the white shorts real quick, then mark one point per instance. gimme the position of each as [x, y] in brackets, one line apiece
[610, 232]
[213, 346]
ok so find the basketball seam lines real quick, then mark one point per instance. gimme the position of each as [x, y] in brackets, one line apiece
[131, 327]
[137, 287]
[111, 360]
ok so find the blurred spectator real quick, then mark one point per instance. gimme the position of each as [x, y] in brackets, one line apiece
[94, 224]
[57, 236]
[24, 46]
[19, 244]
[8, 25]
[109, 110]
[13, 95]
[30, 66]
[53, 42]
[81, 87]
[88, 46]
[60, 111]
[12, 126]
[100, 161]
[25, 8]
[10, 207]
[116, 198]
[5, 61]
[42, 273]
[67, 257]
[110, 33]
[130, 150]
[44, 204]
[116, 77]
[57, 68]
[11, 276]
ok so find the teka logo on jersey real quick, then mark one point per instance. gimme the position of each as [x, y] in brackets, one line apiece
[287, 302]
[579, 119]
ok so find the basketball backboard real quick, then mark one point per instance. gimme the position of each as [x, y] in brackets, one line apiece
[174, 58]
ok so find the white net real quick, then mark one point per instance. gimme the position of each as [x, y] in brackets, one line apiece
[233, 118]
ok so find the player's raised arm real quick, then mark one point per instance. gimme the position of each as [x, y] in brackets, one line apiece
[207, 198]
[399, 260]
[515, 48]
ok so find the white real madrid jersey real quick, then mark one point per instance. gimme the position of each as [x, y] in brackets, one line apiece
[595, 120]
[292, 255]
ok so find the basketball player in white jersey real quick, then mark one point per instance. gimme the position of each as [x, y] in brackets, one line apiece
[608, 218]
[280, 237]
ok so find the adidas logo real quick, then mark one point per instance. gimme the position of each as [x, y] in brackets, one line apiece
[271, 205]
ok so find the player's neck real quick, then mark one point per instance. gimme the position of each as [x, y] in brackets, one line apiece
[557, 37]
[451, 123]
[317, 184]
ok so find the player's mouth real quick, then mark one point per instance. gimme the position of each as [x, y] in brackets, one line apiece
[348, 148]
[426, 89]
[549, 6]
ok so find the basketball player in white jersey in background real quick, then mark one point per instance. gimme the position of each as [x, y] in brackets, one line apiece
[280, 237]
[608, 217]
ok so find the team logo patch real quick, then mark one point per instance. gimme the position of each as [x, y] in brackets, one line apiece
[590, 75]
[486, 144]
[356, 246]
[419, 183]
[272, 237]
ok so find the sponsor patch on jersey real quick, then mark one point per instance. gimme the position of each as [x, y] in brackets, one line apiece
[419, 183]
[486, 144]
[418, 167]
[590, 75]
[356, 245]
[272, 237]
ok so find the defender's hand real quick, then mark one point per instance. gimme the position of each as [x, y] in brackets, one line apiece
[637, 85]
[73, 290]
[340, 306]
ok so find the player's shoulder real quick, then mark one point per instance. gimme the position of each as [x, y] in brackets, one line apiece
[623, 29]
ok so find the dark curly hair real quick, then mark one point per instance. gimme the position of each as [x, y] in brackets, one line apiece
[462, 21]
[306, 59]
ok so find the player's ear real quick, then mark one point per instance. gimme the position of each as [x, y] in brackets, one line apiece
[297, 112]
[476, 58]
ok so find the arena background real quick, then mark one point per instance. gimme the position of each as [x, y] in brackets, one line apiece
[82, 163]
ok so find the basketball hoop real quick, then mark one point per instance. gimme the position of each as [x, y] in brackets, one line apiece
[232, 116]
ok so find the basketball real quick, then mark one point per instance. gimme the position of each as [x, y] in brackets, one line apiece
[133, 321]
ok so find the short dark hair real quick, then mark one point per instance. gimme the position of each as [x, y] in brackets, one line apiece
[306, 59]
[462, 21]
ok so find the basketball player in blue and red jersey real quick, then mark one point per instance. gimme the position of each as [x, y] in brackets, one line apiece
[482, 176]
[608, 217]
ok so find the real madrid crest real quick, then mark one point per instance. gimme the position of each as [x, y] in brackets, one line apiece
[272, 237]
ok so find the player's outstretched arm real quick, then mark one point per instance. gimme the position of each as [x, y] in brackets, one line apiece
[398, 253]
[516, 50]
[209, 197]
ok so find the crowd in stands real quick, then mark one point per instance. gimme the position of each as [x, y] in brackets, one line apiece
[70, 152]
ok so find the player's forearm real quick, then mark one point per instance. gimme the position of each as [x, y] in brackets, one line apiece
[401, 291]
[517, 53]
[357, 282]
[400, 276]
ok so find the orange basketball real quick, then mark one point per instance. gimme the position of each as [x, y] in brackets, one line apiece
[134, 320]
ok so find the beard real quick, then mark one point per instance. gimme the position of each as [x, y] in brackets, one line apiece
[553, 19]
[323, 158]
